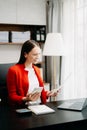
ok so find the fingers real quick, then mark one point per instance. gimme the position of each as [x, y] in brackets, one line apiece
[33, 97]
[51, 93]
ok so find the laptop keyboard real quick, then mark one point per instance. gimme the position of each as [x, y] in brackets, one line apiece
[76, 105]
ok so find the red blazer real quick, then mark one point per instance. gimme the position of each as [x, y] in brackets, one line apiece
[17, 83]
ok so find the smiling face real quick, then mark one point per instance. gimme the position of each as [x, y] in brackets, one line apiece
[33, 56]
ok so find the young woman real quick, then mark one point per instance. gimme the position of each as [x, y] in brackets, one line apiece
[24, 76]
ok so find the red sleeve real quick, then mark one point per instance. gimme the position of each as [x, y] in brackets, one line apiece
[12, 87]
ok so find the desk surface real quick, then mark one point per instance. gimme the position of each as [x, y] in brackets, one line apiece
[63, 119]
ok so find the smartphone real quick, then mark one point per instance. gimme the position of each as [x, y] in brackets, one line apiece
[37, 90]
[23, 110]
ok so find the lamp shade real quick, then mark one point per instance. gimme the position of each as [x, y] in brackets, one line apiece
[54, 45]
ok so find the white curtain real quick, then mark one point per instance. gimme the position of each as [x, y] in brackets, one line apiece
[74, 30]
[53, 25]
[70, 18]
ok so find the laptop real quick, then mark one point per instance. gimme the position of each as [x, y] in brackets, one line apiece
[74, 104]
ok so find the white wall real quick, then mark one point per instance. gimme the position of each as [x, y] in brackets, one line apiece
[31, 12]
[9, 53]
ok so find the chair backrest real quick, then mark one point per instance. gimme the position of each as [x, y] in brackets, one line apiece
[3, 89]
[3, 72]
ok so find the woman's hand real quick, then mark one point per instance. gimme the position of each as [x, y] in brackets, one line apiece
[32, 97]
[53, 93]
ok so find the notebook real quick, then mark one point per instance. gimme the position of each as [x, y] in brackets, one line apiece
[76, 104]
[41, 109]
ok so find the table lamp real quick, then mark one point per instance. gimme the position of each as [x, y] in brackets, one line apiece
[54, 46]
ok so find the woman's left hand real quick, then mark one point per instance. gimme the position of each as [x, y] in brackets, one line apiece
[53, 94]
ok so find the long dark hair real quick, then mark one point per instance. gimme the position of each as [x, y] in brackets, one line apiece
[26, 48]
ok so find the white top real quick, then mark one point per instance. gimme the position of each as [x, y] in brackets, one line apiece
[33, 81]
